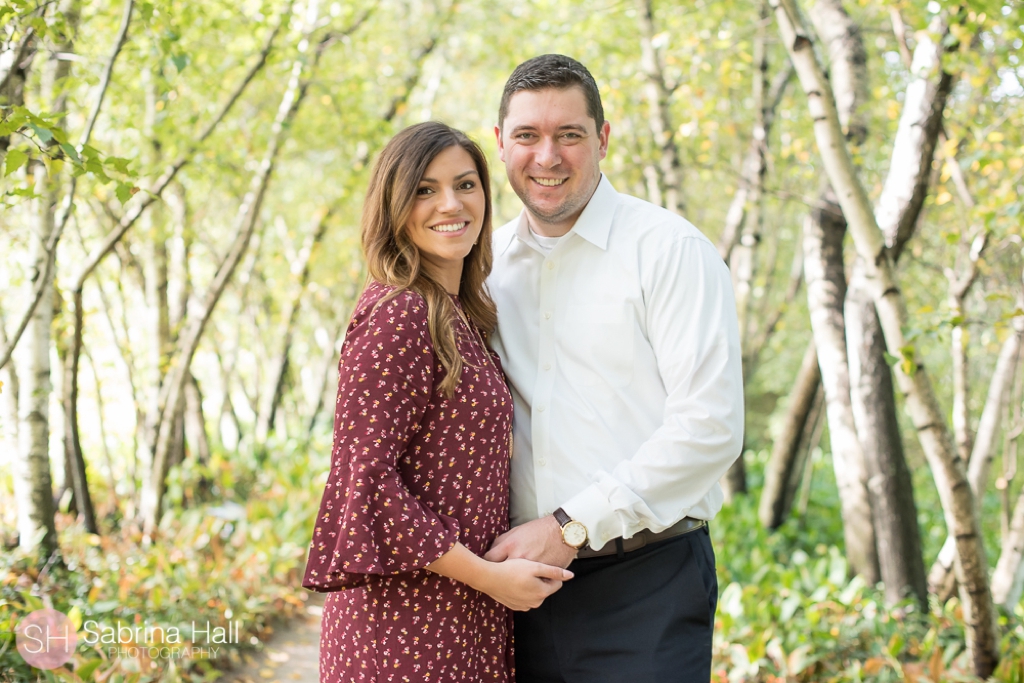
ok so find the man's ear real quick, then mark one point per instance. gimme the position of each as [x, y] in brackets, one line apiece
[603, 137]
[501, 146]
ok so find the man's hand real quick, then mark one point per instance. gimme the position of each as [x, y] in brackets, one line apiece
[539, 540]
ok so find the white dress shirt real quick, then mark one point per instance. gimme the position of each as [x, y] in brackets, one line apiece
[622, 350]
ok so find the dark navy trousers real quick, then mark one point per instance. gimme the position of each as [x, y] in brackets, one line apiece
[645, 617]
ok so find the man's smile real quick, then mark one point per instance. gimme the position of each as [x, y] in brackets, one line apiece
[549, 182]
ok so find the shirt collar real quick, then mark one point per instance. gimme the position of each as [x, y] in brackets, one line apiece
[594, 223]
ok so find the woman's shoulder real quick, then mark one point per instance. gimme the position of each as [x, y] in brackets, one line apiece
[385, 307]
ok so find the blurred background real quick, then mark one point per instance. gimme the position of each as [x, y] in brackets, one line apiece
[179, 205]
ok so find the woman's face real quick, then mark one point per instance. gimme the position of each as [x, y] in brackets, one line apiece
[447, 214]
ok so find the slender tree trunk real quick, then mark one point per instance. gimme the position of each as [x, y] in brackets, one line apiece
[940, 577]
[947, 467]
[874, 403]
[784, 470]
[75, 472]
[1008, 578]
[659, 95]
[33, 483]
[101, 423]
[894, 513]
[826, 290]
[279, 368]
[8, 399]
[195, 422]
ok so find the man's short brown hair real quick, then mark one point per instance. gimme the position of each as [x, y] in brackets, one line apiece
[553, 71]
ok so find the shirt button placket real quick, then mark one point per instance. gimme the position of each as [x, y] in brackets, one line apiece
[544, 478]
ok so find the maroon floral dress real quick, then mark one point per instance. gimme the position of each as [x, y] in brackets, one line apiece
[412, 472]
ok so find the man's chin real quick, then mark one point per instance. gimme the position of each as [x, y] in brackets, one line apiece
[548, 214]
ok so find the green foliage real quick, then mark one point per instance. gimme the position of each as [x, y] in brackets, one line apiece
[788, 610]
[239, 560]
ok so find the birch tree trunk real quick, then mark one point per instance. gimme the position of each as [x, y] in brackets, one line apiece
[300, 269]
[940, 578]
[923, 406]
[659, 94]
[8, 399]
[826, 292]
[784, 470]
[890, 486]
[897, 213]
[741, 262]
[1008, 578]
[33, 483]
[824, 232]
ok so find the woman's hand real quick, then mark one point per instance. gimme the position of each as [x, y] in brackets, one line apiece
[516, 583]
[522, 585]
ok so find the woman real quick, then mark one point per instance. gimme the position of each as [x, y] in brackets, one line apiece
[418, 487]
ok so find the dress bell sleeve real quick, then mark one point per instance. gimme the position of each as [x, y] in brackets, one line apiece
[369, 522]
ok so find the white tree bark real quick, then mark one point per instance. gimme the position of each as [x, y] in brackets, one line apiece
[659, 94]
[984, 450]
[922, 404]
[826, 291]
[33, 482]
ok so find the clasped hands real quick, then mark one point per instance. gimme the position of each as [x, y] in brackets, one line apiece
[531, 558]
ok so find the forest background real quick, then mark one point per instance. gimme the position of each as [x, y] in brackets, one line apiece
[181, 189]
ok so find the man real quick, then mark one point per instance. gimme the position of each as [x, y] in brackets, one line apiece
[617, 328]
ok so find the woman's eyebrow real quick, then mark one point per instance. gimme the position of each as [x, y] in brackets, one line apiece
[458, 177]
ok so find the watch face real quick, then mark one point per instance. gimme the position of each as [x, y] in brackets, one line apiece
[574, 534]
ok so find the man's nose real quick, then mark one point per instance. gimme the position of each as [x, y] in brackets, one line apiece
[548, 155]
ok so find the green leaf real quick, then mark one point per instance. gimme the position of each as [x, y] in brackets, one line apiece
[125, 191]
[70, 151]
[85, 671]
[15, 160]
[118, 163]
[43, 134]
[180, 62]
[891, 359]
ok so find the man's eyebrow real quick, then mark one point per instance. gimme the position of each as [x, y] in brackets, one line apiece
[462, 175]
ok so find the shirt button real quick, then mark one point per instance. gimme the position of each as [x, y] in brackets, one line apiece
[551, 265]
[547, 366]
[542, 462]
[547, 315]
[541, 409]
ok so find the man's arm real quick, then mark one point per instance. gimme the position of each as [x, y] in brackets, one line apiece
[692, 328]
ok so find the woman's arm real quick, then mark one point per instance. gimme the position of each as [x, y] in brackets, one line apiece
[518, 584]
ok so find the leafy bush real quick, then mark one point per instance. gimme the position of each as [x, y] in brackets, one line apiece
[238, 561]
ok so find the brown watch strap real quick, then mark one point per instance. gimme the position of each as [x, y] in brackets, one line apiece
[561, 517]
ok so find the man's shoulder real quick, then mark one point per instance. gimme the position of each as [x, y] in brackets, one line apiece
[501, 237]
[655, 225]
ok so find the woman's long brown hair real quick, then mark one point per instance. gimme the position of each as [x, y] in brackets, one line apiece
[392, 258]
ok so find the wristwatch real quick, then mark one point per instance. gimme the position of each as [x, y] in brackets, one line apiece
[574, 534]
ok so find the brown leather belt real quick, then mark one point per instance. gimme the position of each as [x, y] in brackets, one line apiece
[640, 539]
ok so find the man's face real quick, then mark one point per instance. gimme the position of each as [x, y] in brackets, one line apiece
[552, 152]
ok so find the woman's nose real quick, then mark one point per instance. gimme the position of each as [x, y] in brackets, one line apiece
[449, 201]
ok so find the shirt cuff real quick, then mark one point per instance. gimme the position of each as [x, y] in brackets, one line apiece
[591, 508]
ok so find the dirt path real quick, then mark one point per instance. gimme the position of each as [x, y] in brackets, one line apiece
[291, 654]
